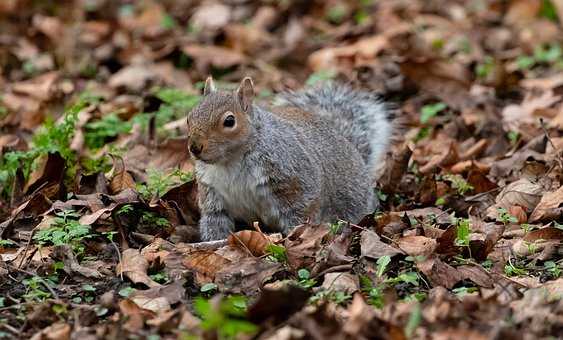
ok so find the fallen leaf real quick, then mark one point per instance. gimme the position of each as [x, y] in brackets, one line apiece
[550, 206]
[206, 263]
[341, 282]
[120, 178]
[276, 304]
[522, 193]
[371, 246]
[417, 245]
[207, 55]
[439, 273]
[249, 240]
[134, 266]
[56, 331]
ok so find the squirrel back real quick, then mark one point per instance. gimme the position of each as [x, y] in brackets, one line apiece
[310, 157]
[358, 115]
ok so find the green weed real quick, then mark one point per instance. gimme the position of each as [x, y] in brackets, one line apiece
[431, 110]
[226, 318]
[276, 253]
[98, 132]
[158, 183]
[65, 229]
[458, 183]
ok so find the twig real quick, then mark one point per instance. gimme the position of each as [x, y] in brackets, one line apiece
[209, 245]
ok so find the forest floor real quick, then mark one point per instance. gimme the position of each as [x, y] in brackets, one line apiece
[97, 195]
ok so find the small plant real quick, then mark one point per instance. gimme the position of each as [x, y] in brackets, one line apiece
[88, 294]
[7, 243]
[408, 277]
[382, 264]
[526, 227]
[33, 289]
[160, 277]
[484, 69]
[109, 126]
[158, 183]
[463, 230]
[505, 217]
[431, 110]
[338, 297]
[208, 288]
[462, 291]
[414, 321]
[126, 291]
[513, 270]
[305, 280]
[226, 317]
[65, 229]
[319, 77]
[374, 294]
[276, 253]
[336, 228]
[543, 54]
[151, 219]
[458, 183]
[513, 137]
[552, 268]
[50, 138]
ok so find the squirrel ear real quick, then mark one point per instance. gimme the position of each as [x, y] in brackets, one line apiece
[209, 86]
[245, 93]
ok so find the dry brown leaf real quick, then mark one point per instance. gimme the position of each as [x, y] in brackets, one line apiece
[248, 275]
[211, 16]
[303, 243]
[522, 193]
[50, 26]
[371, 246]
[519, 213]
[56, 331]
[120, 179]
[206, 263]
[134, 266]
[476, 274]
[40, 88]
[439, 273]
[448, 81]
[136, 315]
[515, 116]
[547, 234]
[417, 245]
[549, 207]
[49, 171]
[342, 282]
[214, 56]
[334, 58]
[134, 78]
[159, 299]
[249, 240]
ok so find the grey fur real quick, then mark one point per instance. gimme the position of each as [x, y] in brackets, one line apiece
[313, 161]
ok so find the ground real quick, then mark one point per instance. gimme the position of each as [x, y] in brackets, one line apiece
[98, 217]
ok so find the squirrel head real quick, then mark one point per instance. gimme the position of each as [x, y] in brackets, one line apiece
[220, 126]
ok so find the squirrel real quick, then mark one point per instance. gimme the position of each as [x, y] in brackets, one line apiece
[310, 157]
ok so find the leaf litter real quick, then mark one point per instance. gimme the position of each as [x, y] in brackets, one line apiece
[98, 209]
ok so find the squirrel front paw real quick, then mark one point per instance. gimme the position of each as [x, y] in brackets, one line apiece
[215, 227]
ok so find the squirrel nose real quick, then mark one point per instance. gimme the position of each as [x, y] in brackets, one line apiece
[195, 148]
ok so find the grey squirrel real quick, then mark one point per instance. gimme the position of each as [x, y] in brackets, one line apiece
[311, 156]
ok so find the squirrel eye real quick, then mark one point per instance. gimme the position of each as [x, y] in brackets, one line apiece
[229, 121]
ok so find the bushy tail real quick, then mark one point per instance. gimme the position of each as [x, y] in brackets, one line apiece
[359, 115]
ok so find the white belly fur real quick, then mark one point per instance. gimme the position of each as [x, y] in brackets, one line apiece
[244, 195]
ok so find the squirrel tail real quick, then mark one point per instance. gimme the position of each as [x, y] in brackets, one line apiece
[360, 116]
